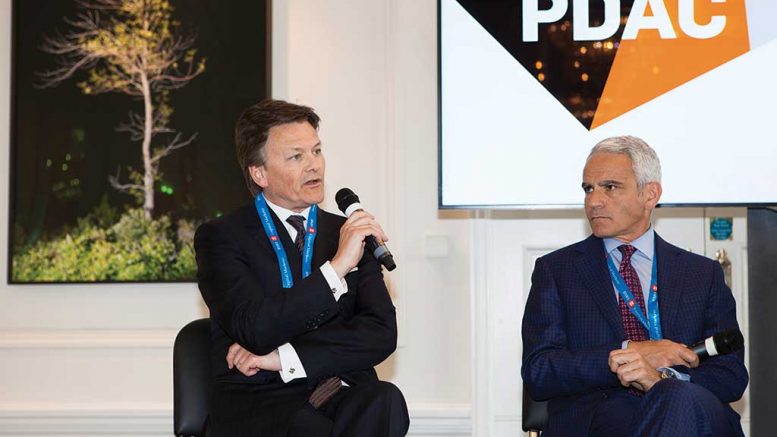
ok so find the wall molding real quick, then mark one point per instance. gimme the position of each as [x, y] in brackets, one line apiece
[440, 420]
[87, 422]
[425, 420]
[87, 339]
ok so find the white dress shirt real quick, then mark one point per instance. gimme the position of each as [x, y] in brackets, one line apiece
[291, 366]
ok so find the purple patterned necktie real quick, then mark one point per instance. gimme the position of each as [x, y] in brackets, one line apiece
[330, 386]
[298, 222]
[632, 327]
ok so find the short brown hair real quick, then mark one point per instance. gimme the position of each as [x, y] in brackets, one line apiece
[253, 128]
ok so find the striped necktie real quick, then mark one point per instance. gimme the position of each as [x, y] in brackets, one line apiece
[298, 222]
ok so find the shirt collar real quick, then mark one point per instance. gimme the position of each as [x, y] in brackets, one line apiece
[284, 213]
[645, 244]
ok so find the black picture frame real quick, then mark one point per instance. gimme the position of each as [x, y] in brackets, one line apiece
[64, 145]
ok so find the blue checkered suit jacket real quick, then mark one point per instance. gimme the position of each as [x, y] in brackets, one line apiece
[572, 322]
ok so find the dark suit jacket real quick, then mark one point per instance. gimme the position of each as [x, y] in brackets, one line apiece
[239, 279]
[572, 322]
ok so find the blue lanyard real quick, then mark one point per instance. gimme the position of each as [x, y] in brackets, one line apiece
[653, 322]
[275, 240]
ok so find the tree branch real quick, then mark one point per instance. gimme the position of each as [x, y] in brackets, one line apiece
[114, 181]
[134, 127]
[175, 144]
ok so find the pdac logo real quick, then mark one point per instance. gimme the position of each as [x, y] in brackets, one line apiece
[603, 58]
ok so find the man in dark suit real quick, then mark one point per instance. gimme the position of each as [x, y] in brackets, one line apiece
[300, 312]
[608, 369]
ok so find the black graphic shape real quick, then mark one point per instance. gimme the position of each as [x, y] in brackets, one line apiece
[574, 72]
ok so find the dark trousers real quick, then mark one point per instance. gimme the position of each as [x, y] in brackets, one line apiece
[368, 409]
[375, 409]
[670, 408]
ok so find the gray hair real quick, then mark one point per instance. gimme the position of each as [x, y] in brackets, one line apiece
[644, 160]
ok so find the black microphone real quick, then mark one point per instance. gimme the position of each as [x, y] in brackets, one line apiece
[719, 344]
[348, 202]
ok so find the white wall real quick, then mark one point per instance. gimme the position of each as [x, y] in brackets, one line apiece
[96, 359]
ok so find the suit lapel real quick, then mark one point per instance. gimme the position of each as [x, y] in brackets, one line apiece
[254, 229]
[591, 264]
[326, 238]
[257, 234]
[671, 271]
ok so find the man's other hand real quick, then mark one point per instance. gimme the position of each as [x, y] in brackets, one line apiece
[633, 370]
[250, 364]
[664, 353]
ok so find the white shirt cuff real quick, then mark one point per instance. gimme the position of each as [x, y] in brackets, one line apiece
[291, 366]
[625, 344]
[338, 286]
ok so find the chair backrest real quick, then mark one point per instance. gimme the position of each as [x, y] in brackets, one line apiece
[535, 413]
[191, 378]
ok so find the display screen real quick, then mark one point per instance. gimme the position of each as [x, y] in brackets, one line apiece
[528, 87]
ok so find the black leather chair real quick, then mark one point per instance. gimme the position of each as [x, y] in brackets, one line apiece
[191, 378]
[534, 416]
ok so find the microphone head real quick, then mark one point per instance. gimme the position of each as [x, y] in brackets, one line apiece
[345, 198]
[388, 262]
[729, 341]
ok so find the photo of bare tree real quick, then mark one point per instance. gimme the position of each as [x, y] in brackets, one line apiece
[131, 47]
[122, 124]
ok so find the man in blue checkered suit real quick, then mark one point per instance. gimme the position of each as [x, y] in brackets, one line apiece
[604, 373]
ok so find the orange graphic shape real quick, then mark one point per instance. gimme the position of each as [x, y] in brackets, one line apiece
[648, 66]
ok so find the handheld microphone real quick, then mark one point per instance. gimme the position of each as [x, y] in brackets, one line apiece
[348, 202]
[719, 344]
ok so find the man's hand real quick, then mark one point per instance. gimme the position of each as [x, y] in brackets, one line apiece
[249, 364]
[351, 246]
[633, 369]
[664, 353]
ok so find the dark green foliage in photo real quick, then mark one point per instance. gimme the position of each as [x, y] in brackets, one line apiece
[132, 248]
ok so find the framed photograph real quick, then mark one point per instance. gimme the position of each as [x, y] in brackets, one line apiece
[122, 132]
